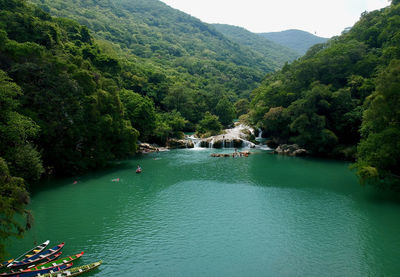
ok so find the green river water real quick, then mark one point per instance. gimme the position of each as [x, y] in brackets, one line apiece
[189, 214]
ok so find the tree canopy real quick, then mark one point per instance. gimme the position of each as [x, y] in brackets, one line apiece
[322, 100]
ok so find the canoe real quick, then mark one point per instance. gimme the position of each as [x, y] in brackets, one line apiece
[40, 272]
[37, 257]
[6, 263]
[57, 262]
[75, 271]
[48, 259]
[27, 254]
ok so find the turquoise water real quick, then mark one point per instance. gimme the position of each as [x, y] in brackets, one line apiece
[189, 214]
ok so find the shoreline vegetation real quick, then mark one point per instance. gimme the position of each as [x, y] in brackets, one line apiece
[75, 96]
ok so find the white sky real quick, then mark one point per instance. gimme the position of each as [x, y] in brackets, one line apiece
[325, 18]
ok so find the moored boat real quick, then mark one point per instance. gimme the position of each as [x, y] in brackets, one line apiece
[19, 270]
[48, 259]
[6, 263]
[58, 262]
[75, 271]
[40, 272]
[35, 250]
[37, 257]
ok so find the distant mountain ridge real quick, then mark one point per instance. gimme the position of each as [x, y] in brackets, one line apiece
[297, 40]
[259, 44]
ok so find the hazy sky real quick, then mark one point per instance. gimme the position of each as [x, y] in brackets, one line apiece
[326, 18]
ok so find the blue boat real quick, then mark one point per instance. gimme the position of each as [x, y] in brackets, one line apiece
[37, 257]
[42, 271]
[28, 254]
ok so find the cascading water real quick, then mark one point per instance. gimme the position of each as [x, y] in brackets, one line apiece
[247, 144]
[260, 133]
[196, 141]
[211, 144]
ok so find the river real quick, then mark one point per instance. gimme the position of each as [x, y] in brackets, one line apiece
[188, 214]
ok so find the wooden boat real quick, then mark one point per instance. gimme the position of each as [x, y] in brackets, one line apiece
[74, 271]
[58, 262]
[48, 259]
[40, 272]
[6, 263]
[37, 257]
[35, 250]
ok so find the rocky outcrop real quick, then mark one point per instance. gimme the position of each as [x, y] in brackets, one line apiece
[290, 150]
[147, 148]
[179, 143]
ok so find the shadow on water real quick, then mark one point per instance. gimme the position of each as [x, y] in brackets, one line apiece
[54, 183]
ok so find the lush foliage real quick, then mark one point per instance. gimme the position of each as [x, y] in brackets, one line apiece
[13, 198]
[209, 125]
[296, 40]
[67, 90]
[379, 150]
[321, 100]
[193, 55]
[18, 154]
[276, 54]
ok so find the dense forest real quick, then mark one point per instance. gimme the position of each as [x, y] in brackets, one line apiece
[296, 40]
[261, 45]
[191, 52]
[341, 99]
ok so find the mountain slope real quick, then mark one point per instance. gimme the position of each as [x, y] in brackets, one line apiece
[172, 40]
[274, 52]
[297, 40]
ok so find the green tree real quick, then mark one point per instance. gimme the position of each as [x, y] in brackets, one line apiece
[378, 155]
[140, 111]
[225, 111]
[13, 199]
[169, 125]
[209, 124]
[242, 106]
[16, 133]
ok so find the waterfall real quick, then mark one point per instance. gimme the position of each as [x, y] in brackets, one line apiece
[211, 144]
[196, 141]
[247, 144]
[260, 132]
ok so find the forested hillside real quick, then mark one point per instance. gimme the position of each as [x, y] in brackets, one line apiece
[183, 46]
[296, 40]
[342, 94]
[277, 54]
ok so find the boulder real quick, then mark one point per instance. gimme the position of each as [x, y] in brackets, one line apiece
[300, 153]
[179, 143]
[290, 150]
[147, 148]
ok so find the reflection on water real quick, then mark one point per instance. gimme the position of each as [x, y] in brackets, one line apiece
[189, 214]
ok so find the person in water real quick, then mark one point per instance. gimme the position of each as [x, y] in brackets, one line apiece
[138, 168]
